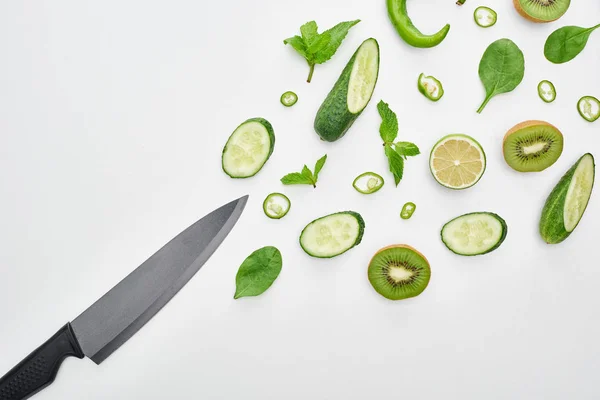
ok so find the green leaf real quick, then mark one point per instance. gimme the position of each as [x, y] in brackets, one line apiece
[389, 123]
[298, 44]
[396, 163]
[319, 166]
[407, 149]
[258, 272]
[309, 32]
[501, 69]
[337, 35]
[564, 44]
[319, 43]
[296, 178]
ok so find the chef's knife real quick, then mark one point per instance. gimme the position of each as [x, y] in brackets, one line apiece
[120, 313]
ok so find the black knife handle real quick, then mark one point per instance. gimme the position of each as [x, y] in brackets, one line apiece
[39, 369]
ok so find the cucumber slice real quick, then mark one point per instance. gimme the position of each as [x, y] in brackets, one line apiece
[368, 183]
[248, 148]
[276, 205]
[350, 94]
[566, 204]
[288, 99]
[332, 235]
[474, 234]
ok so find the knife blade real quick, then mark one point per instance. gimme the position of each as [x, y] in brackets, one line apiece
[124, 309]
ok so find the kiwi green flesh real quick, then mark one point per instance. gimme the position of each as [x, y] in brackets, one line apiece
[399, 273]
[545, 10]
[534, 148]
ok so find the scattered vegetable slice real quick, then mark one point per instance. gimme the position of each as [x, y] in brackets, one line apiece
[258, 272]
[408, 210]
[501, 69]
[306, 176]
[589, 108]
[430, 87]
[248, 148]
[333, 234]
[564, 44]
[474, 234]
[288, 99]
[460, 2]
[568, 201]
[368, 182]
[485, 17]
[408, 31]
[276, 205]
[395, 152]
[317, 48]
[546, 91]
[457, 161]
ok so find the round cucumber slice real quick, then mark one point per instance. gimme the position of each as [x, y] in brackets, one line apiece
[589, 108]
[547, 91]
[248, 148]
[276, 205]
[288, 99]
[485, 17]
[368, 183]
[332, 235]
[474, 234]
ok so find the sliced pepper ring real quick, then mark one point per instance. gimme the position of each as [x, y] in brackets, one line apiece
[430, 87]
[368, 183]
[589, 108]
[546, 91]
[276, 205]
[485, 17]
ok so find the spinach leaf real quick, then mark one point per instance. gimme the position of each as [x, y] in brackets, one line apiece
[564, 44]
[258, 272]
[501, 69]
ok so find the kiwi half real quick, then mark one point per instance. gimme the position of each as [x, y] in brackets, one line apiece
[532, 146]
[398, 272]
[542, 10]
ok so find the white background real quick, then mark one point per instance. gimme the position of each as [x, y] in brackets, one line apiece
[113, 115]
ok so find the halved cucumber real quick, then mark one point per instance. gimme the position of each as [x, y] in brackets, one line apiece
[276, 205]
[474, 234]
[333, 234]
[566, 204]
[350, 94]
[248, 148]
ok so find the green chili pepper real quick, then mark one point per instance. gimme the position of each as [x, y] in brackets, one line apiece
[408, 210]
[589, 108]
[547, 91]
[288, 99]
[460, 2]
[485, 17]
[430, 87]
[408, 32]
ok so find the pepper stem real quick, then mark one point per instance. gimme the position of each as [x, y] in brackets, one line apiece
[310, 73]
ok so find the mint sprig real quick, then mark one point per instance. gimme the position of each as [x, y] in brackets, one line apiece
[317, 48]
[306, 176]
[398, 152]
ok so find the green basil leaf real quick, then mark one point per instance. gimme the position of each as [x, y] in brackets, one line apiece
[258, 272]
[564, 44]
[501, 69]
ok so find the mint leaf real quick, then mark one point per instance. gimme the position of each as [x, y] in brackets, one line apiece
[337, 34]
[407, 149]
[319, 166]
[298, 44]
[296, 178]
[318, 48]
[258, 272]
[389, 123]
[305, 177]
[396, 163]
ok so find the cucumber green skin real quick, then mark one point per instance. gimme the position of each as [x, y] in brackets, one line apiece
[406, 29]
[333, 118]
[502, 238]
[361, 232]
[552, 222]
[271, 133]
